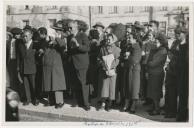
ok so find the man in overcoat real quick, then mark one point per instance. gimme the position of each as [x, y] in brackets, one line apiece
[78, 47]
[171, 78]
[183, 77]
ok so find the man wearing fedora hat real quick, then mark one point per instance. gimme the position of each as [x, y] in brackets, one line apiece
[171, 77]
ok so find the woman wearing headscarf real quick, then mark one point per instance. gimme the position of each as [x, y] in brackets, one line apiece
[108, 59]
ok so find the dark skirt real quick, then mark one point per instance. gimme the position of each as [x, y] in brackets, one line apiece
[154, 88]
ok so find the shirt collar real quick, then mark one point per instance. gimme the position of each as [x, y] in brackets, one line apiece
[183, 42]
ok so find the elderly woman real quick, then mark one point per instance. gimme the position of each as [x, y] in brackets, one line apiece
[155, 63]
[108, 59]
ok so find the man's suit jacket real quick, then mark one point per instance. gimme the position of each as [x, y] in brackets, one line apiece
[26, 63]
[79, 55]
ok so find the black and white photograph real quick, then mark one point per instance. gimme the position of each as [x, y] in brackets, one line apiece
[97, 64]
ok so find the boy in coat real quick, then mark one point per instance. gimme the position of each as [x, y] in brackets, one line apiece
[26, 66]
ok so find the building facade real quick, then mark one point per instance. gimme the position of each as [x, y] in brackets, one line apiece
[168, 16]
[36, 16]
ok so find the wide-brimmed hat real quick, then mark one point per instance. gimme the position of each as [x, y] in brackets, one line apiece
[58, 26]
[99, 24]
[16, 31]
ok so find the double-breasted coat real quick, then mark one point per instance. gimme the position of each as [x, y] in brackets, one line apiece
[156, 61]
[53, 73]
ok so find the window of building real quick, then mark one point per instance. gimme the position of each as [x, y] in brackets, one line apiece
[146, 9]
[129, 9]
[26, 22]
[26, 7]
[179, 8]
[79, 10]
[52, 22]
[100, 9]
[162, 26]
[54, 7]
[163, 8]
[113, 9]
[51, 7]
[64, 8]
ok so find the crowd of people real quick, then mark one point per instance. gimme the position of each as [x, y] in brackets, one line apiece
[65, 62]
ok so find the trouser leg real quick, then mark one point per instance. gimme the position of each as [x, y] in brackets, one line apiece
[85, 88]
[27, 88]
[172, 99]
[59, 97]
[31, 79]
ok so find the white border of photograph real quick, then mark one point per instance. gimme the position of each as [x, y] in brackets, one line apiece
[95, 3]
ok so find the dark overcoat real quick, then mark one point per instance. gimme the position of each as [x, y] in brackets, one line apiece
[171, 79]
[53, 73]
[156, 61]
[183, 82]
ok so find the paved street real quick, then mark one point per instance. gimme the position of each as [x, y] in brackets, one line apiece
[68, 113]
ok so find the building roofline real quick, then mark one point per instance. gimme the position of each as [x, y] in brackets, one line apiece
[46, 13]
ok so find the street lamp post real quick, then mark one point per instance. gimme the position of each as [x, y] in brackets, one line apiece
[90, 17]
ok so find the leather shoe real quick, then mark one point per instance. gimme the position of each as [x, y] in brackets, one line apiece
[154, 113]
[35, 103]
[26, 103]
[124, 109]
[149, 110]
[47, 104]
[87, 108]
[170, 116]
[132, 111]
[107, 108]
[60, 105]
